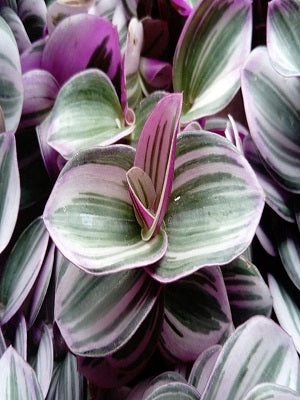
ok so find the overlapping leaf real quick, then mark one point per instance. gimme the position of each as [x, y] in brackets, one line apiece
[272, 104]
[20, 343]
[266, 391]
[173, 390]
[17, 27]
[210, 52]
[44, 360]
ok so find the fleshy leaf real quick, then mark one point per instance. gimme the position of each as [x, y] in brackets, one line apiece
[173, 390]
[11, 88]
[213, 45]
[272, 104]
[44, 360]
[214, 208]
[249, 357]
[33, 16]
[266, 391]
[22, 268]
[286, 309]
[32, 57]
[90, 216]
[9, 188]
[157, 74]
[283, 36]
[155, 153]
[20, 343]
[276, 197]
[18, 380]
[289, 251]
[17, 28]
[197, 315]
[247, 292]
[40, 91]
[203, 367]
[87, 113]
[98, 315]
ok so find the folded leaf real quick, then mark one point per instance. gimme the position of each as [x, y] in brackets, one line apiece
[266, 391]
[9, 188]
[11, 88]
[87, 113]
[90, 216]
[98, 315]
[18, 380]
[197, 315]
[249, 357]
[157, 74]
[283, 36]
[44, 360]
[272, 104]
[22, 268]
[214, 208]
[213, 45]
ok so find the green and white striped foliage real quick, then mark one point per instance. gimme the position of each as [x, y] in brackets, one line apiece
[213, 45]
[2, 343]
[18, 380]
[20, 343]
[283, 36]
[258, 351]
[272, 105]
[197, 315]
[99, 315]
[271, 391]
[22, 268]
[214, 207]
[11, 88]
[86, 113]
[247, 292]
[286, 307]
[17, 27]
[9, 188]
[90, 216]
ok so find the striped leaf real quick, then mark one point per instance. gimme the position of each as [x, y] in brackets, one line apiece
[272, 105]
[155, 154]
[33, 16]
[17, 28]
[289, 251]
[87, 113]
[276, 197]
[213, 45]
[40, 91]
[90, 215]
[18, 380]
[203, 367]
[44, 360]
[22, 268]
[2, 344]
[9, 188]
[197, 315]
[83, 41]
[125, 364]
[98, 315]
[265, 232]
[271, 391]
[258, 351]
[67, 383]
[20, 343]
[161, 380]
[214, 208]
[173, 390]
[11, 88]
[287, 309]
[283, 37]
[41, 286]
[247, 292]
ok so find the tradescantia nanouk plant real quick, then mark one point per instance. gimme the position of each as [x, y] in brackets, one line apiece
[133, 180]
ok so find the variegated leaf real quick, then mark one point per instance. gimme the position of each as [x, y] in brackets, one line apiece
[173, 390]
[11, 88]
[9, 188]
[20, 343]
[22, 268]
[197, 315]
[286, 309]
[272, 105]
[249, 357]
[98, 315]
[283, 36]
[163, 379]
[156, 75]
[33, 15]
[213, 45]
[90, 215]
[17, 27]
[203, 367]
[214, 208]
[271, 391]
[44, 360]
[18, 380]
[2, 344]
[289, 251]
[87, 113]
[247, 292]
[32, 57]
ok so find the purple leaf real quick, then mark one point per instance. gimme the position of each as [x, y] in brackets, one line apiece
[32, 57]
[157, 74]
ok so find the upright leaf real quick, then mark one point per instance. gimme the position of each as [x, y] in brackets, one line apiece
[213, 45]
[20, 344]
[44, 360]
